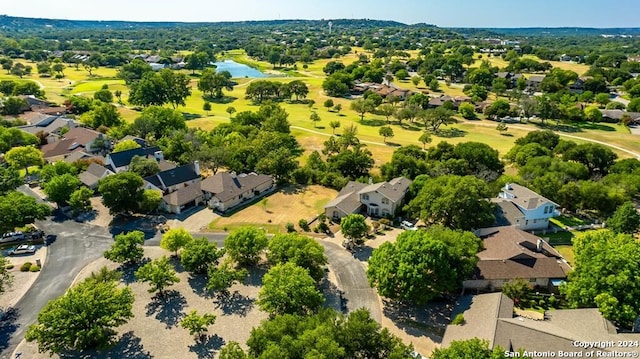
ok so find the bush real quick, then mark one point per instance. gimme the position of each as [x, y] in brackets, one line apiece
[25, 267]
[458, 319]
[323, 227]
[304, 225]
[34, 268]
[384, 222]
[553, 301]
[9, 266]
[290, 227]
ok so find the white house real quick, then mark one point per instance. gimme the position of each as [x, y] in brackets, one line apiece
[523, 208]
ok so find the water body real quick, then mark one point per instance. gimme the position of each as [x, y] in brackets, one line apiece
[238, 70]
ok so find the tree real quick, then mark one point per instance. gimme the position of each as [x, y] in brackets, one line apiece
[55, 169]
[231, 110]
[83, 318]
[280, 163]
[103, 95]
[596, 157]
[634, 105]
[24, 157]
[58, 67]
[387, 110]
[298, 88]
[245, 245]
[315, 118]
[328, 104]
[223, 277]
[159, 273]
[502, 127]
[425, 138]
[593, 114]
[334, 124]
[603, 275]
[159, 88]
[80, 200]
[206, 107]
[337, 108]
[625, 219]
[423, 265]
[438, 117]
[300, 250]
[157, 122]
[354, 226]
[134, 71]
[197, 61]
[122, 192]
[18, 209]
[198, 255]
[197, 324]
[362, 106]
[144, 166]
[499, 86]
[602, 99]
[454, 201]
[212, 83]
[126, 248]
[9, 180]
[517, 289]
[386, 131]
[467, 110]
[472, 348]
[498, 109]
[352, 163]
[118, 95]
[289, 289]
[150, 201]
[60, 188]
[174, 239]
[232, 350]
[13, 106]
[102, 114]
[6, 278]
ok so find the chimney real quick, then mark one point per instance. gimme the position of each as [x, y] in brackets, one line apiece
[196, 167]
[370, 180]
[158, 155]
[539, 245]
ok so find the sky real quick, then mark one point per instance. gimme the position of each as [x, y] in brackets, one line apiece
[443, 13]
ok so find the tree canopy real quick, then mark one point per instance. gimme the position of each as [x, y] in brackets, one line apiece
[198, 254]
[121, 192]
[126, 248]
[625, 219]
[245, 245]
[289, 289]
[159, 273]
[18, 209]
[299, 249]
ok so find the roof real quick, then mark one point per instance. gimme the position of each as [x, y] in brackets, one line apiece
[536, 78]
[394, 190]
[60, 148]
[348, 199]
[123, 158]
[175, 176]
[511, 253]
[183, 195]
[618, 114]
[226, 185]
[138, 140]
[93, 174]
[49, 125]
[82, 136]
[34, 117]
[506, 212]
[80, 155]
[165, 165]
[524, 197]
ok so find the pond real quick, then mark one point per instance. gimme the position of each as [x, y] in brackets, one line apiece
[238, 70]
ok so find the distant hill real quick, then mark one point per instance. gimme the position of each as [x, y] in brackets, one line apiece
[548, 32]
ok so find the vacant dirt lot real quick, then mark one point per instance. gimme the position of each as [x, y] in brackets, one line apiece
[286, 205]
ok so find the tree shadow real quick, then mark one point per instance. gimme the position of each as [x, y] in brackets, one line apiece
[234, 303]
[320, 127]
[372, 122]
[411, 127]
[254, 279]
[198, 284]
[8, 326]
[507, 134]
[393, 144]
[191, 116]
[363, 253]
[334, 297]
[129, 346]
[597, 126]
[207, 347]
[129, 271]
[168, 308]
[451, 133]
[429, 320]
[220, 101]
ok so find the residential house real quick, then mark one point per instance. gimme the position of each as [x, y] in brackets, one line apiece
[78, 139]
[119, 161]
[93, 175]
[523, 208]
[491, 317]
[439, 101]
[616, 116]
[52, 126]
[80, 155]
[226, 190]
[377, 200]
[510, 253]
[140, 141]
[510, 77]
[180, 187]
[534, 81]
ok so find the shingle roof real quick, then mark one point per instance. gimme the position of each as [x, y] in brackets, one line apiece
[82, 135]
[184, 195]
[618, 114]
[524, 197]
[225, 185]
[176, 175]
[60, 148]
[394, 190]
[348, 199]
[506, 212]
[93, 174]
[123, 158]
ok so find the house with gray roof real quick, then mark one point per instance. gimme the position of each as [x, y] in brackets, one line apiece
[491, 317]
[377, 200]
[523, 208]
[93, 175]
[180, 187]
[227, 190]
[510, 253]
[119, 161]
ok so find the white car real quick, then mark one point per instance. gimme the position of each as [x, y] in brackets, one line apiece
[24, 249]
[406, 225]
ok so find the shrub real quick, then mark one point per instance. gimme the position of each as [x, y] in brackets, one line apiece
[304, 225]
[290, 227]
[323, 227]
[553, 301]
[34, 268]
[25, 266]
[9, 266]
[458, 319]
[385, 222]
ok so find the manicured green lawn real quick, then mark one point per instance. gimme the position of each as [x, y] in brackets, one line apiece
[568, 221]
[567, 253]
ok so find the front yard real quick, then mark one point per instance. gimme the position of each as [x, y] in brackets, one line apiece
[289, 204]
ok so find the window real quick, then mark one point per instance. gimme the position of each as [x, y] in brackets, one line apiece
[546, 210]
[365, 197]
[526, 223]
[385, 201]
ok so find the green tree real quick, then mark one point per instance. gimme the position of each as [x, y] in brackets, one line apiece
[18, 209]
[174, 239]
[438, 117]
[198, 254]
[301, 250]
[103, 95]
[472, 349]
[245, 245]
[517, 289]
[467, 110]
[425, 138]
[80, 200]
[134, 71]
[315, 118]
[24, 157]
[289, 289]
[502, 127]
[212, 83]
[159, 273]
[150, 200]
[118, 95]
[362, 106]
[423, 265]
[593, 114]
[352, 163]
[60, 188]
[197, 324]
[144, 166]
[454, 201]
[604, 276]
[230, 110]
[223, 277]
[354, 226]
[13, 106]
[498, 109]
[602, 99]
[122, 192]
[334, 125]
[55, 169]
[279, 162]
[157, 122]
[387, 110]
[159, 88]
[126, 248]
[206, 107]
[9, 180]
[125, 146]
[6, 278]
[625, 219]
[83, 318]
[385, 132]
[328, 104]
[597, 158]
[102, 114]
[232, 350]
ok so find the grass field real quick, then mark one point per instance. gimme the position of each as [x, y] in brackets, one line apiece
[497, 61]
[289, 204]
[567, 253]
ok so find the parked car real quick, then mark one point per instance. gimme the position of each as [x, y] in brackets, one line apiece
[23, 249]
[406, 225]
[12, 237]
